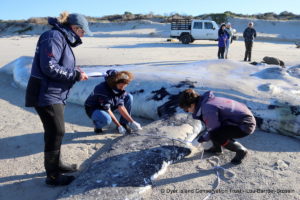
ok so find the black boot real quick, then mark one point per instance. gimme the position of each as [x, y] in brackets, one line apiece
[54, 176]
[67, 168]
[240, 150]
[59, 180]
[249, 56]
[98, 130]
[215, 149]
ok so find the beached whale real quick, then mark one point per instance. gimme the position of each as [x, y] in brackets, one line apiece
[134, 161]
[271, 92]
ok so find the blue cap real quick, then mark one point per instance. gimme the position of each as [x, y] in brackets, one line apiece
[80, 20]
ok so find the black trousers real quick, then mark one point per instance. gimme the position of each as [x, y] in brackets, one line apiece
[248, 45]
[222, 134]
[52, 117]
[221, 52]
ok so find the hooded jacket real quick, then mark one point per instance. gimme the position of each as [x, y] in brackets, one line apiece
[53, 70]
[217, 111]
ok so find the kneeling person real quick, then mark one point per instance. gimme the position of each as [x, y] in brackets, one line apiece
[109, 96]
[225, 120]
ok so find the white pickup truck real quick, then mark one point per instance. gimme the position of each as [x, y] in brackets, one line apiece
[187, 30]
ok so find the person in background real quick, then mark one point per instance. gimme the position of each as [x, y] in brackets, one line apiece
[225, 120]
[222, 39]
[229, 31]
[249, 35]
[53, 73]
[108, 96]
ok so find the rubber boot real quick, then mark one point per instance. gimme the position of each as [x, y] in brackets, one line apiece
[240, 150]
[245, 58]
[249, 56]
[67, 168]
[54, 176]
[215, 149]
[98, 130]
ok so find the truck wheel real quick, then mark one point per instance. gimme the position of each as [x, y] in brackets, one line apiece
[185, 39]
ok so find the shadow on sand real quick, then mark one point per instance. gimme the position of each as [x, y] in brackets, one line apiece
[165, 45]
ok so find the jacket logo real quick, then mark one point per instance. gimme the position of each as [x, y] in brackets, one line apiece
[50, 54]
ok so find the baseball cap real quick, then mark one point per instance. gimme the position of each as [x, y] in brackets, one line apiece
[80, 20]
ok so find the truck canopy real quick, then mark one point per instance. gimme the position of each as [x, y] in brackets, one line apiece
[181, 24]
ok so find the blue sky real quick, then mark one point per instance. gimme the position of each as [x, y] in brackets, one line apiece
[24, 9]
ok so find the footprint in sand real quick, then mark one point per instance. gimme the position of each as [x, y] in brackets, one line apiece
[281, 165]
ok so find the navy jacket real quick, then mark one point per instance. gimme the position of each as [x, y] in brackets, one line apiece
[53, 70]
[104, 97]
[223, 37]
[249, 34]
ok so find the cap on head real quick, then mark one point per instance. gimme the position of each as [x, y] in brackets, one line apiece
[80, 20]
[250, 23]
[228, 24]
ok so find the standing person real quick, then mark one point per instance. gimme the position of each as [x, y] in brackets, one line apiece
[53, 74]
[229, 31]
[225, 120]
[223, 36]
[108, 96]
[249, 35]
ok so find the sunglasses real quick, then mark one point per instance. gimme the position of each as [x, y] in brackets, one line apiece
[79, 27]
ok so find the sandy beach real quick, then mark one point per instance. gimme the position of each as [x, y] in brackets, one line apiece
[271, 170]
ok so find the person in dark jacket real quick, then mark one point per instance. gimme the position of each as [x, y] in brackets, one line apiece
[108, 96]
[249, 35]
[225, 120]
[222, 39]
[53, 74]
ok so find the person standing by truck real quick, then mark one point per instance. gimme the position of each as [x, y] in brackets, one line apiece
[249, 35]
[229, 31]
[223, 37]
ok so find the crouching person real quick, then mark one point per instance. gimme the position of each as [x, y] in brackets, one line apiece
[108, 96]
[225, 120]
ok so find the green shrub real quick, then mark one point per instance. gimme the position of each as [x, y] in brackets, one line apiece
[219, 18]
[38, 20]
[29, 28]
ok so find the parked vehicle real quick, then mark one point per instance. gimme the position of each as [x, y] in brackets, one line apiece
[188, 31]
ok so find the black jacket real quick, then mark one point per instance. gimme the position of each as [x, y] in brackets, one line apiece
[249, 34]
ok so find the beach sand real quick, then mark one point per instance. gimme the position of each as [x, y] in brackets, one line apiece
[271, 171]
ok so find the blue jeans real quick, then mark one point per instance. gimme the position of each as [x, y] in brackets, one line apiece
[227, 47]
[101, 118]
